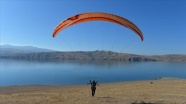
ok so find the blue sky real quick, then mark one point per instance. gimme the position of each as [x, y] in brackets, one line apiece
[31, 23]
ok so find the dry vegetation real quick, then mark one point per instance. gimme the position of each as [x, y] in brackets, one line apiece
[162, 91]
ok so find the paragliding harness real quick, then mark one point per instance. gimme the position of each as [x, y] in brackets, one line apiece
[93, 86]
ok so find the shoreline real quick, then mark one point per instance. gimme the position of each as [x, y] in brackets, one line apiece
[158, 91]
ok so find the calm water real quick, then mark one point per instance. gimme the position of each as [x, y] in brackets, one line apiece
[64, 73]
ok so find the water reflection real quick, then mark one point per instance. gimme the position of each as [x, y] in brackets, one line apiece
[19, 72]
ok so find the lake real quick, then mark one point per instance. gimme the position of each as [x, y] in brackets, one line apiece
[16, 72]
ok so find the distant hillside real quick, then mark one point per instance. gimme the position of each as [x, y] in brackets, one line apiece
[93, 56]
[9, 49]
[170, 58]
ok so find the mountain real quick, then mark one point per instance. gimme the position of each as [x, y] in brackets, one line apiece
[93, 56]
[10, 49]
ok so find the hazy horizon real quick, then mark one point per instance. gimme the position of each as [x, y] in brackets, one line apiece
[84, 51]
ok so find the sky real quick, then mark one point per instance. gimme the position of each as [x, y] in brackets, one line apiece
[31, 23]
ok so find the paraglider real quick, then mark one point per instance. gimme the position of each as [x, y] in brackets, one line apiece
[96, 16]
[93, 86]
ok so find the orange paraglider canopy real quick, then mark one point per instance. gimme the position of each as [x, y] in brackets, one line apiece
[95, 16]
